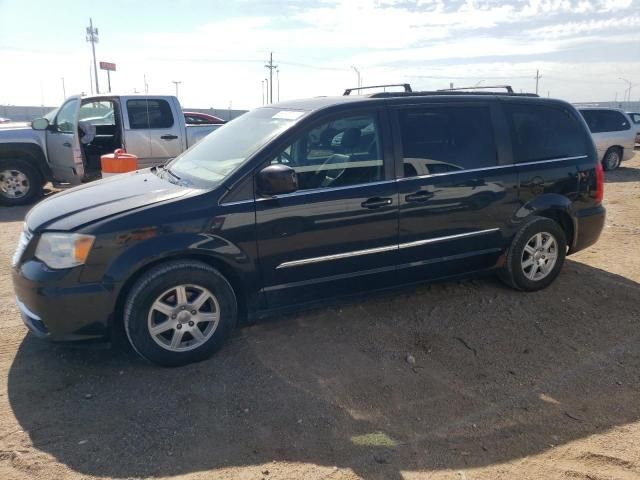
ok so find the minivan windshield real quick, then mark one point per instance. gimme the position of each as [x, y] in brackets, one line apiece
[220, 152]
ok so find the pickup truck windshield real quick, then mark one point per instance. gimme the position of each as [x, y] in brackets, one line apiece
[220, 152]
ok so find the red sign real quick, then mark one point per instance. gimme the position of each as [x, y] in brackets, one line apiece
[108, 66]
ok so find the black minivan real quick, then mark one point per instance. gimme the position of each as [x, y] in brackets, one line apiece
[304, 201]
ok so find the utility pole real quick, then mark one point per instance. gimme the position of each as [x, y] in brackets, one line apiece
[271, 67]
[278, 81]
[64, 91]
[357, 73]
[538, 77]
[146, 85]
[176, 82]
[92, 37]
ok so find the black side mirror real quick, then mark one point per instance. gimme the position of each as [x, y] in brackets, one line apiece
[277, 179]
[40, 124]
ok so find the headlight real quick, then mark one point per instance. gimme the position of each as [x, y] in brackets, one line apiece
[64, 250]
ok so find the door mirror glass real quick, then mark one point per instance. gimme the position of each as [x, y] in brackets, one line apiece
[277, 179]
[40, 124]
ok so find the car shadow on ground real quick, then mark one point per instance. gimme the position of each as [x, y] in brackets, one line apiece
[498, 375]
[622, 174]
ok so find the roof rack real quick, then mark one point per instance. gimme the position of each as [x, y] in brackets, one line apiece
[406, 86]
[508, 88]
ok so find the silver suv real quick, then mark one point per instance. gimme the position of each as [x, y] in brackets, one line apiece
[612, 133]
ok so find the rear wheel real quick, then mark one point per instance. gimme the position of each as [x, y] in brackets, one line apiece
[179, 312]
[536, 255]
[612, 159]
[20, 182]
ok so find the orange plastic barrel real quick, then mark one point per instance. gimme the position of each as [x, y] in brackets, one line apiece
[118, 162]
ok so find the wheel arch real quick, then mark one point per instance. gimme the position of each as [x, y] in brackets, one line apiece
[225, 269]
[554, 207]
[27, 151]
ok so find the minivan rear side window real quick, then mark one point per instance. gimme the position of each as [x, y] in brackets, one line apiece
[605, 121]
[444, 139]
[152, 113]
[544, 132]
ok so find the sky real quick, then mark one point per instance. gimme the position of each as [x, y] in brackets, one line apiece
[218, 49]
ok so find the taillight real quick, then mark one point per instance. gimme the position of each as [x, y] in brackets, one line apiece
[599, 183]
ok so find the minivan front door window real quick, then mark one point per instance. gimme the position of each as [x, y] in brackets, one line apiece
[338, 153]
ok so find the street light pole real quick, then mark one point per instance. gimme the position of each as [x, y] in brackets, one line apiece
[64, 91]
[626, 90]
[92, 37]
[358, 73]
[176, 82]
[278, 80]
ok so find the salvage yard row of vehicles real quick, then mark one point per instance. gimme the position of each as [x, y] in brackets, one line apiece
[65, 146]
[298, 203]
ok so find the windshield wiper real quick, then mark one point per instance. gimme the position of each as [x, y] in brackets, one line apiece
[168, 170]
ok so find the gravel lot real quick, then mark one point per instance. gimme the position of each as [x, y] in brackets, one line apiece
[504, 384]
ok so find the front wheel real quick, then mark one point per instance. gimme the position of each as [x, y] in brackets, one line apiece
[179, 313]
[20, 182]
[536, 255]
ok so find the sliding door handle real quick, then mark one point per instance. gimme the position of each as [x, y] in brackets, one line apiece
[420, 196]
[376, 202]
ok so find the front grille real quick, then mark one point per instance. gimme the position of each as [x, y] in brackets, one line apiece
[25, 238]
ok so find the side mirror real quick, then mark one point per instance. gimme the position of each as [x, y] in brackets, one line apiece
[277, 179]
[40, 124]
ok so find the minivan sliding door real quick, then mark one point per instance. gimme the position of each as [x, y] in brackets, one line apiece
[455, 195]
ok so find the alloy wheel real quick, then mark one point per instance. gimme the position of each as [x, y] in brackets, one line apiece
[183, 318]
[539, 256]
[13, 184]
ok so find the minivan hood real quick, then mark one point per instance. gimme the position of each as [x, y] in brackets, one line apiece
[94, 201]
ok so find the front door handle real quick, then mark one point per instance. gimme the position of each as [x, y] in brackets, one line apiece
[419, 196]
[376, 202]
[66, 144]
[169, 137]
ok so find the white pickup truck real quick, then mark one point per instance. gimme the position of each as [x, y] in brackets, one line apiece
[65, 146]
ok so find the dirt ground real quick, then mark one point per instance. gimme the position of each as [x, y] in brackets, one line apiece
[505, 385]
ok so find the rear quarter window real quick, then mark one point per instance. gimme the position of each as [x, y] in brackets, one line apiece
[605, 121]
[152, 113]
[541, 132]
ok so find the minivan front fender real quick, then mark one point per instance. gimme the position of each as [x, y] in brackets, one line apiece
[238, 266]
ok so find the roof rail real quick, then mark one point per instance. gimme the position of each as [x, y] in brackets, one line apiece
[406, 86]
[508, 88]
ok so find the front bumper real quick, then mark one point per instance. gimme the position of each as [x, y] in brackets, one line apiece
[588, 227]
[56, 306]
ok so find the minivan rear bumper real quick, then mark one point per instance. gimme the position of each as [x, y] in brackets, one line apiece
[55, 306]
[588, 227]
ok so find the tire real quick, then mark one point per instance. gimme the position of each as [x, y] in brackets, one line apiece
[156, 302]
[518, 272]
[612, 159]
[20, 182]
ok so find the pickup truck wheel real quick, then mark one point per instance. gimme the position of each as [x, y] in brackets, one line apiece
[536, 255]
[179, 312]
[20, 182]
[612, 159]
